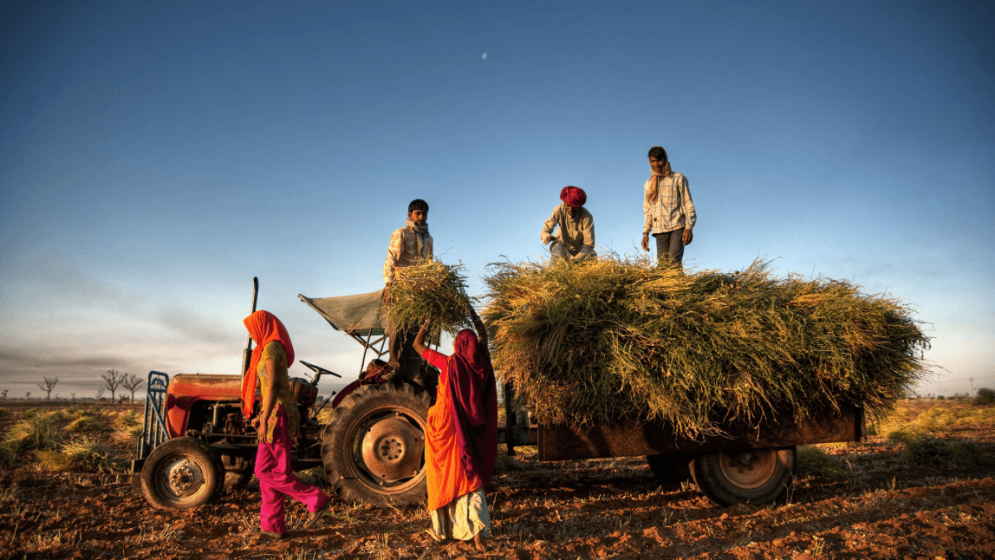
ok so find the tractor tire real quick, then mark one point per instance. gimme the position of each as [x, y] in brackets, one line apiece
[671, 468]
[182, 473]
[756, 476]
[373, 446]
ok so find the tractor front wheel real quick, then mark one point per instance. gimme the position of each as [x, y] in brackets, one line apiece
[373, 445]
[182, 473]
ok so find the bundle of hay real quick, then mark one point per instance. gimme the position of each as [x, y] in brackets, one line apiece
[610, 339]
[430, 288]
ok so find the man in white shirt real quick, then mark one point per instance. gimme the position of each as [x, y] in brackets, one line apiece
[409, 245]
[667, 208]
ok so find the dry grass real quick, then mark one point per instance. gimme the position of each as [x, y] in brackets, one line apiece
[932, 417]
[611, 338]
[924, 449]
[812, 461]
[83, 424]
[430, 289]
[129, 425]
[37, 431]
[80, 453]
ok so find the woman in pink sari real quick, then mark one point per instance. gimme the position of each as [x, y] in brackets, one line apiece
[461, 437]
[276, 424]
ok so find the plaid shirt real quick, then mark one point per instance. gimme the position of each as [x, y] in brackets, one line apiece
[673, 209]
[403, 251]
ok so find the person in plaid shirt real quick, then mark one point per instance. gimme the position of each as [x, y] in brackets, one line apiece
[409, 245]
[668, 209]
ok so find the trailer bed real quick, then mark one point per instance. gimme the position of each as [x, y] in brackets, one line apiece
[567, 442]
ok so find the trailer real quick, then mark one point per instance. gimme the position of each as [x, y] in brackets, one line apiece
[749, 463]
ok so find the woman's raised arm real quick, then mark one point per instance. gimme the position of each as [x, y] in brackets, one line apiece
[479, 325]
[419, 343]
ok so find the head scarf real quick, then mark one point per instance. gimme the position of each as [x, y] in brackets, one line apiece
[573, 196]
[264, 328]
[474, 398]
[420, 231]
[654, 191]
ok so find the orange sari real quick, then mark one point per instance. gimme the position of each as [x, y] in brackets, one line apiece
[446, 477]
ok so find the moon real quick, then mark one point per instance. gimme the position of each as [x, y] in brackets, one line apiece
[485, 56]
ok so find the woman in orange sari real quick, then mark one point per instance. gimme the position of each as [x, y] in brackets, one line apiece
[277, 425]
[461, 437]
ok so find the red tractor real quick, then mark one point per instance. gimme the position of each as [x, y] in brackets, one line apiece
[196, 442]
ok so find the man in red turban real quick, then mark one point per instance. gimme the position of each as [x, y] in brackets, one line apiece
[575, 240]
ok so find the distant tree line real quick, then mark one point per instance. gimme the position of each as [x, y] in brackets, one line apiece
[112, 380]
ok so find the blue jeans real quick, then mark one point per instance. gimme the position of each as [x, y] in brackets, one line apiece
[670, 246]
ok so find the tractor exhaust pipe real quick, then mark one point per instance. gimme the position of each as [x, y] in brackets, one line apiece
[247, 354]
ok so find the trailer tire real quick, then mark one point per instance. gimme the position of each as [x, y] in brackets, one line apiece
[182, 473]
[373, 445]
[757, 476]
[671, 468]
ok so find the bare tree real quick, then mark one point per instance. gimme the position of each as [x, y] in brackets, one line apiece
[112, 380]
[5, 394]
[47, 386]
[27, 395]
[100, 393]
[131, 383]
[73, 396]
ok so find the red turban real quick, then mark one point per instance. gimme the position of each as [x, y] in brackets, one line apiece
[573, 196]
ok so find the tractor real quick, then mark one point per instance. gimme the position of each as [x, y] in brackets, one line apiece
[196, 442]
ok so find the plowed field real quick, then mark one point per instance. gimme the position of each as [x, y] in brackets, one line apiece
[869, 500]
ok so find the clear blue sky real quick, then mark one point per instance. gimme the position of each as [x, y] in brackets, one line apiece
[155, 156]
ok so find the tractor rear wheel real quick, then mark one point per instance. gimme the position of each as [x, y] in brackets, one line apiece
[182, 473]
[757, 476]
[373, 445]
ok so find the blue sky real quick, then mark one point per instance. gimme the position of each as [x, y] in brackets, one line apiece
[155, 156]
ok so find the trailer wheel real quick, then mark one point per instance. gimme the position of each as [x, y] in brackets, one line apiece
[671, 467]
[752, 475]
[373, 445]
[182, 473]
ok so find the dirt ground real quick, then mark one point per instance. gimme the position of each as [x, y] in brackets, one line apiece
[873, 503]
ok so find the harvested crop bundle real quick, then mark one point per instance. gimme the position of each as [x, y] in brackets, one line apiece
[610, 339]
[430, 288]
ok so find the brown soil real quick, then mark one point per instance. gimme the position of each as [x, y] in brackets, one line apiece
[880, 508]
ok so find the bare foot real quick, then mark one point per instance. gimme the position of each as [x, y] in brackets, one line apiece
[478, 543]
[432, 534]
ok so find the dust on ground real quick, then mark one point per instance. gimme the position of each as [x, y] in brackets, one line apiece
[875, 503]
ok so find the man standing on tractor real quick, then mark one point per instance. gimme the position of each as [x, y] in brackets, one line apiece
[409, 245]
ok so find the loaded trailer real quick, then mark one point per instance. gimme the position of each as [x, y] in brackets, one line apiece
[747, 464]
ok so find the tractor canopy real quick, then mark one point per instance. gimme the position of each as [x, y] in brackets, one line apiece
[357, 315]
